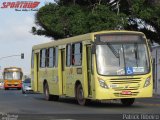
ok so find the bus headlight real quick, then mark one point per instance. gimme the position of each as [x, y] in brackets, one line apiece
[147, 82]
[103, 84]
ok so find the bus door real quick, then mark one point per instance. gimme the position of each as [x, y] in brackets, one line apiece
[36, 70]
[63, 71]
[89, 67]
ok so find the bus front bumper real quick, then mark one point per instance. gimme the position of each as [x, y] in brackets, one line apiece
[104, 94]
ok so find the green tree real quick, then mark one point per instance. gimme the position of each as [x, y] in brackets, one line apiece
[74, 17]
[143, 15]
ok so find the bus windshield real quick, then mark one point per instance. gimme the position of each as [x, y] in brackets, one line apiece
[122, 58]
[12, 75]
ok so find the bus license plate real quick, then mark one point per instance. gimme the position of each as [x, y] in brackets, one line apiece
[126, 93]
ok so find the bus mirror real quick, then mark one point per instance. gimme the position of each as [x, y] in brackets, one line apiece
[149, 44]
[152, 61]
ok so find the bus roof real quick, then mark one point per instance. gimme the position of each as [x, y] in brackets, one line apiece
[79, 38]
[12, 69]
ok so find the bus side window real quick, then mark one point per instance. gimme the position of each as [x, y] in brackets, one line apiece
[32, 60]
[51, 54]
[47, 58]
[43, 58]
[73, 60]
[68, 63]
[77, 54]
[73, 51]
[56, 57]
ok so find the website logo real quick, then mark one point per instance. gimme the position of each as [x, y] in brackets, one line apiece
[21, 5]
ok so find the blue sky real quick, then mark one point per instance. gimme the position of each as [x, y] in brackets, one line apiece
[15, 36]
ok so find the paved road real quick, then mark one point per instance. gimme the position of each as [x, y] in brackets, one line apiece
[13, 102]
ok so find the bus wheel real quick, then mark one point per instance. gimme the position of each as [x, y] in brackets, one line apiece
[48, 97]
[55, 97]
[5, 88]
[80, 95]
[23, 92]
[127, 101]
[18, 88]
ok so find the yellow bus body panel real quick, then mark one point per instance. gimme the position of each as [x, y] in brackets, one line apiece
[79, 73]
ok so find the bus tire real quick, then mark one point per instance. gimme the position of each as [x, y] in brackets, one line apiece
[18, 88]
[23, 92]
[127, 101]
[6, 88]
[47, 95]
[80, 95]
[55, 97]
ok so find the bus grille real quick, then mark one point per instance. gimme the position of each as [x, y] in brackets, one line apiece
[125, 86]
[12, 84]
[125, 80]
[129, 88]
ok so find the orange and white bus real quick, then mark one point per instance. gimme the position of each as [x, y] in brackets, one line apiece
[12, 77]
[95, 66]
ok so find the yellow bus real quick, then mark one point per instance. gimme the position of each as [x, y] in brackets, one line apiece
[101, 65]
[12, 77]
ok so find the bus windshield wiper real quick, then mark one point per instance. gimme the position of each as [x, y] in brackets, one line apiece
[115, 53]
